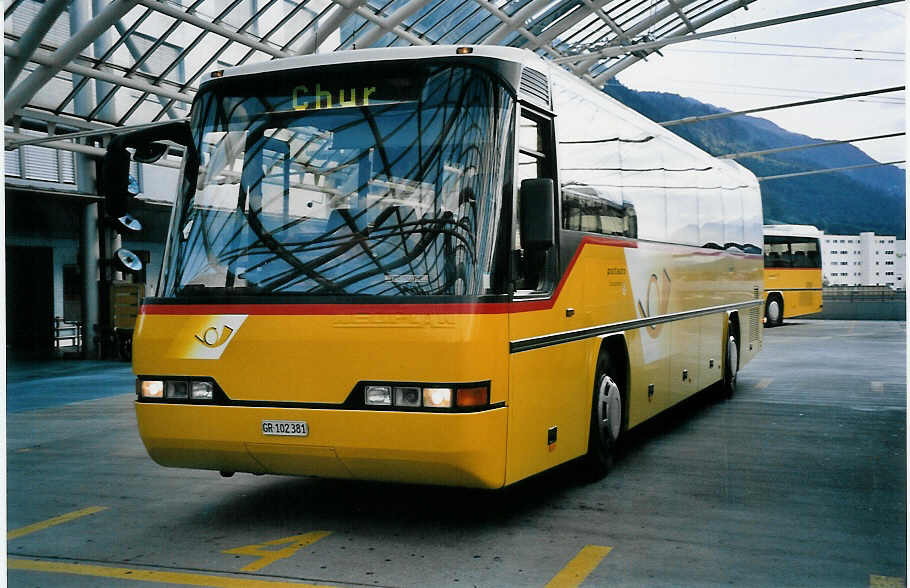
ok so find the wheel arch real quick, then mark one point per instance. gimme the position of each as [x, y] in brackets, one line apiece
[616, 348]
[733, 323]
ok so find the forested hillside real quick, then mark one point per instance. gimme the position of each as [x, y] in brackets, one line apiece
[871, 199]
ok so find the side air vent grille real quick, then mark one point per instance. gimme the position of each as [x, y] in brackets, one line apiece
[535, 85]
[754, 324]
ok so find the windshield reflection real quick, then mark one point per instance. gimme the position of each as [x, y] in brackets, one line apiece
[392, 197]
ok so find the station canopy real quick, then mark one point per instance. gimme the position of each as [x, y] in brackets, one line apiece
[72, 66]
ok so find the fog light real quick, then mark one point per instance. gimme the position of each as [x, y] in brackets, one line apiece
[151, 389]
[202, 391]
[175, 389]
[407, 396]
[437, 397]
[378, 395]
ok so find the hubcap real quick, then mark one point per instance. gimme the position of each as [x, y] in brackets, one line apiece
[732, 358]
[773, 311]
[609, 409]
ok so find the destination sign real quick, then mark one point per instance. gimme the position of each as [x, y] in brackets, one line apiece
[340, 93]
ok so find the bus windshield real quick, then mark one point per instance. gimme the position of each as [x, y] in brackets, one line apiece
[343, 181]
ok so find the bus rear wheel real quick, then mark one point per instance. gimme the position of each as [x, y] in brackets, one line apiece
[774, 311]
[606, 419]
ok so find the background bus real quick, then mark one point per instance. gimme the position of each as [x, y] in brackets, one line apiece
[793, 272]
[432, 265]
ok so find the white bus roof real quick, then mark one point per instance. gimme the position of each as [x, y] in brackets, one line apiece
[514, 54]
[792, 231]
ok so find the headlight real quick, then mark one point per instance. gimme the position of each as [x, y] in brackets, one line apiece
[445, 397]
[378, 396]
[202, 390]
[151, 389]
[176, 389]
[407, 396]
[437, 397]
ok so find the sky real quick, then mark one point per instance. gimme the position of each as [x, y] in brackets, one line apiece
[724, 71]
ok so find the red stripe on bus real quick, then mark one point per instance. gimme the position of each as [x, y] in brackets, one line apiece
[421, 308]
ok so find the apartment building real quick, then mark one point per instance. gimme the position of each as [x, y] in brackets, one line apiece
[866, 259]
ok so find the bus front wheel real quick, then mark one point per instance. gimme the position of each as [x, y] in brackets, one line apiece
[606, 418]
[731, 360]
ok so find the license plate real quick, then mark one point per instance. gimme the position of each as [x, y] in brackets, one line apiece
[288, 428]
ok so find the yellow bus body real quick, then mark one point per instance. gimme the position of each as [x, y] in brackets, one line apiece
[318, 354]
[799, 288]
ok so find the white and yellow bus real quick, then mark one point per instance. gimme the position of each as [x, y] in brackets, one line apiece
[457, 266]
[793, 272]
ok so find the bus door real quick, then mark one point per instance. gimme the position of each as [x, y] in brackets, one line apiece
[548, 411]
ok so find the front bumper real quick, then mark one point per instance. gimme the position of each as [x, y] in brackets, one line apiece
[425, 448]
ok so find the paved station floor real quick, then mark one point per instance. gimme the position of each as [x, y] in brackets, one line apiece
[798, 480]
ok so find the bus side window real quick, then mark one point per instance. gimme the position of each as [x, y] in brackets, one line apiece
[535, 160]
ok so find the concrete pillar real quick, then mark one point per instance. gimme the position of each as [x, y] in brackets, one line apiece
[101, 45]
[86, 182]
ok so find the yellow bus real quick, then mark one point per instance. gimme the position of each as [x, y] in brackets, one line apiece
[793, 272]
[457, 266]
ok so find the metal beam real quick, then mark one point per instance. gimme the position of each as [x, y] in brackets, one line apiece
[682, 15]
[30, 40]
[631, 32]
[19, 138]
[140, 62]
[48, 58]
[826, 171]
[679, 31]
[206, 25]
[663, 42]
[80, 134]
[693, 119]
[514, 22]
[805, 146]
[80, 148]
[357, 7]
[390, 23]
[325, 28]
[22, 92]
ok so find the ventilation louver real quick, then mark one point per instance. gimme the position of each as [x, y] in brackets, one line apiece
[534, 85]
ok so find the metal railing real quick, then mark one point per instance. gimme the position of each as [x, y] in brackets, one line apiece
[68, 335]
[862, 294]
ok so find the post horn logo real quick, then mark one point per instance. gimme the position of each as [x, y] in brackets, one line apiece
[212, 339]
[658, 293]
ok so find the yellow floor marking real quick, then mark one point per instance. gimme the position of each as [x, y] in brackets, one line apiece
[763, 383]
[885, 582]
[54, 521]
[140, 575]
[877, 387]
[270, 556]
[580, 567]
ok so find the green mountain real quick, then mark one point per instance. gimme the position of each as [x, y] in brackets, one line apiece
[871, 199]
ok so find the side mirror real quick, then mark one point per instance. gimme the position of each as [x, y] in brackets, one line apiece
[149, 152]
[115, 169]
[536, 214]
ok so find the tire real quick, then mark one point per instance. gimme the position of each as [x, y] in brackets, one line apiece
[607, 418]
[731, 361]
[774, 311]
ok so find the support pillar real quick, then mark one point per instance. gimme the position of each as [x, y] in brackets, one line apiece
[86, 182]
